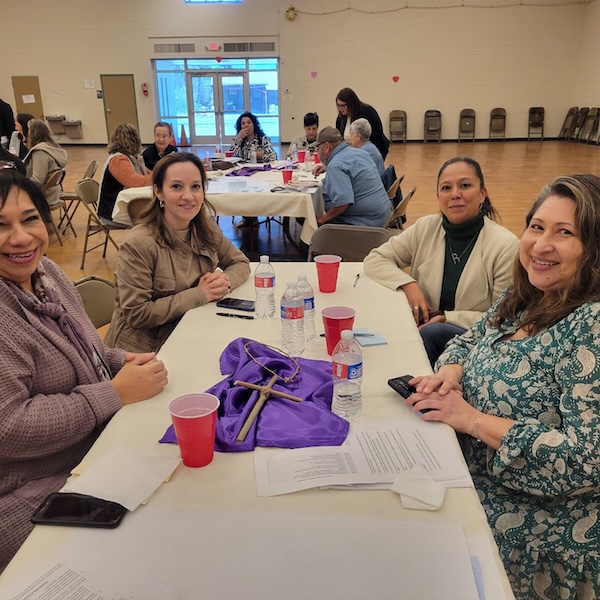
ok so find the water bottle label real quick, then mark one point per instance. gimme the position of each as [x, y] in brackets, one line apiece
[347, 371]
[264, 282]
[292, 312]
[309, 304]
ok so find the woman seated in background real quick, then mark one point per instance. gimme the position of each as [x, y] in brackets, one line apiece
[163, 134]
[460, 261]
[308, 141]
[60, 384]
[360, 132]
[523, 385]
[250, 136]
[18, 139]
[351, 108]
[45, 157]
[177, 258]
[124, 168]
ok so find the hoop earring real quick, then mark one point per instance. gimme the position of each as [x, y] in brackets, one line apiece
[161, 203]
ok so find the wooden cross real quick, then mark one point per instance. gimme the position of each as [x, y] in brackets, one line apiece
[265, 392]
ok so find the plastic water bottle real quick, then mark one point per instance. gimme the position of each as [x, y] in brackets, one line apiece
[292, 320]
[207, 162]
[308, 161]
[253, 158]
[347, 377]
[218, 153]
[308, 294]
[264, 286]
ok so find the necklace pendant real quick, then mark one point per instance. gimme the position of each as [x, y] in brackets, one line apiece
[455, 258]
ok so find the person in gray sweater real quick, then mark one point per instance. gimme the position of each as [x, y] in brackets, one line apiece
[60, 384]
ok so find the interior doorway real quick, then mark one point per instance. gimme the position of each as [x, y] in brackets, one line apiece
[118, 95]
[28, 98]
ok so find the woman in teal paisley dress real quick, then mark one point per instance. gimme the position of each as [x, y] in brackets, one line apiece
[523, 386]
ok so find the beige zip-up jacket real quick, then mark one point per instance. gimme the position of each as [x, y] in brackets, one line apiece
[421, 250]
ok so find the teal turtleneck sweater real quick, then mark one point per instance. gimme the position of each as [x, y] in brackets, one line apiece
[460, 240]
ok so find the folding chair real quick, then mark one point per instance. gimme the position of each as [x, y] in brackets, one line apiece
[497, 124]
[589, 127]
[98, 297]
[432, 126]
[351, 242]
[54, 181]
[568, 123]
[72, 199]
[398, 125]
[87, 190]
[466, 124]
[396, 221]
[136, 206]
[536, 122]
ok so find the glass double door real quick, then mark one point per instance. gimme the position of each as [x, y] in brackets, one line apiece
[216, 101]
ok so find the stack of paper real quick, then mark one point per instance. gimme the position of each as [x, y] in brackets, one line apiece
[371, 457]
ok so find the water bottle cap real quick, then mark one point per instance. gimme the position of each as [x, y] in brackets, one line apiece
[347, 334]
[302, 277]
[264, 258]
[292, 284]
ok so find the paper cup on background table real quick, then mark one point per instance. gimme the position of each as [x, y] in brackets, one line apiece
[194, 418]
[328, 266]
[301, 156]
[335, 320]
[287, 175]
[228, 154]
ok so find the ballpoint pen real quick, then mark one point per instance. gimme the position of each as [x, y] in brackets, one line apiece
[356, 279]
[355, 334]
[222, 314]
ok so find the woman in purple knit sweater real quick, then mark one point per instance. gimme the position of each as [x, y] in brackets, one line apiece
[59, 384]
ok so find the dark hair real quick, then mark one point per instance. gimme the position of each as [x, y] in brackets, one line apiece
[486, 207]
[258, 132]
[349, 96]
[23, 120]
[39, 132]
[545, 309]
[10, 178]
[163, 124]
[154, 215]
[311, 119]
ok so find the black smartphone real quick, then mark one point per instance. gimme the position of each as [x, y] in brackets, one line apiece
[401, 385]
[236, 304]
[78, 510]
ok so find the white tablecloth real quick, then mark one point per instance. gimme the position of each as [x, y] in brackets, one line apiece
[249, 196]
[191, 355]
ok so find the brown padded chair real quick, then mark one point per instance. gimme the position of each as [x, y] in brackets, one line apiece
[398, 126]
[136, 206]
[588, 130]
[53, 181]
[565, 131]
[536, 122]
[432, 126]
[497, 124]
[466, 124]
[71, 198]
[351, 242]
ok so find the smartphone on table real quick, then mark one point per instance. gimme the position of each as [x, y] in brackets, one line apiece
[78, 510]
[236, 304]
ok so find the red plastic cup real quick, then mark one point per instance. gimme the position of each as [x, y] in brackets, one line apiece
[335, 320]
[316, 158]
[301, 156]
[228, 154]
[327, 271]
[194, 417]
[287, 175]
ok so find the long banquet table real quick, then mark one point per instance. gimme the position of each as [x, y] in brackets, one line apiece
[252, 197]
[191, 355]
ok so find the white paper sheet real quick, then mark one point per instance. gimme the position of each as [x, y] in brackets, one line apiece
[373, 454]
[126, 476]
[264, 556]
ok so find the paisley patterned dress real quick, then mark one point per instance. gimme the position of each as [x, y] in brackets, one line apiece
[541, 488]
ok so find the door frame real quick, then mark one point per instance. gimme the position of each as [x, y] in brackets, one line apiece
[131, 77]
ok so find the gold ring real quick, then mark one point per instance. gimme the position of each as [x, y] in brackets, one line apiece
[415, 308]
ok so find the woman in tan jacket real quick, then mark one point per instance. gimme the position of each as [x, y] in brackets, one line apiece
[175, 260]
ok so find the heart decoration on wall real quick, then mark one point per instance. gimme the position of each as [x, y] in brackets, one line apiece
[313, 74]
[395, 79]
[219, 59]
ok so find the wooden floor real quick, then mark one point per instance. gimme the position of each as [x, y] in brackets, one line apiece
[514, 173]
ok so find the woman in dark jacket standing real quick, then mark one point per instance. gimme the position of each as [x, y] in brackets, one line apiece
[351, 108]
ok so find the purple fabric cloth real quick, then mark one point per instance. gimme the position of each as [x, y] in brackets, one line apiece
[281, 423]
[247, 171]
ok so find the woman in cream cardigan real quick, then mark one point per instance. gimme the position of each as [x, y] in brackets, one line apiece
[459, 261]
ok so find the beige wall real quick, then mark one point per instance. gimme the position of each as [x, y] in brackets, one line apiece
[447, 58]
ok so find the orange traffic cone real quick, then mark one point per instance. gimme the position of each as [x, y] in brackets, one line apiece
[183, 141]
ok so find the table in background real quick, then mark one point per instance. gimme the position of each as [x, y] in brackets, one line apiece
[191, 355]
[251, 197]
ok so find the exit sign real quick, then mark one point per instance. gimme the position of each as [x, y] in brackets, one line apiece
[213, 46]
